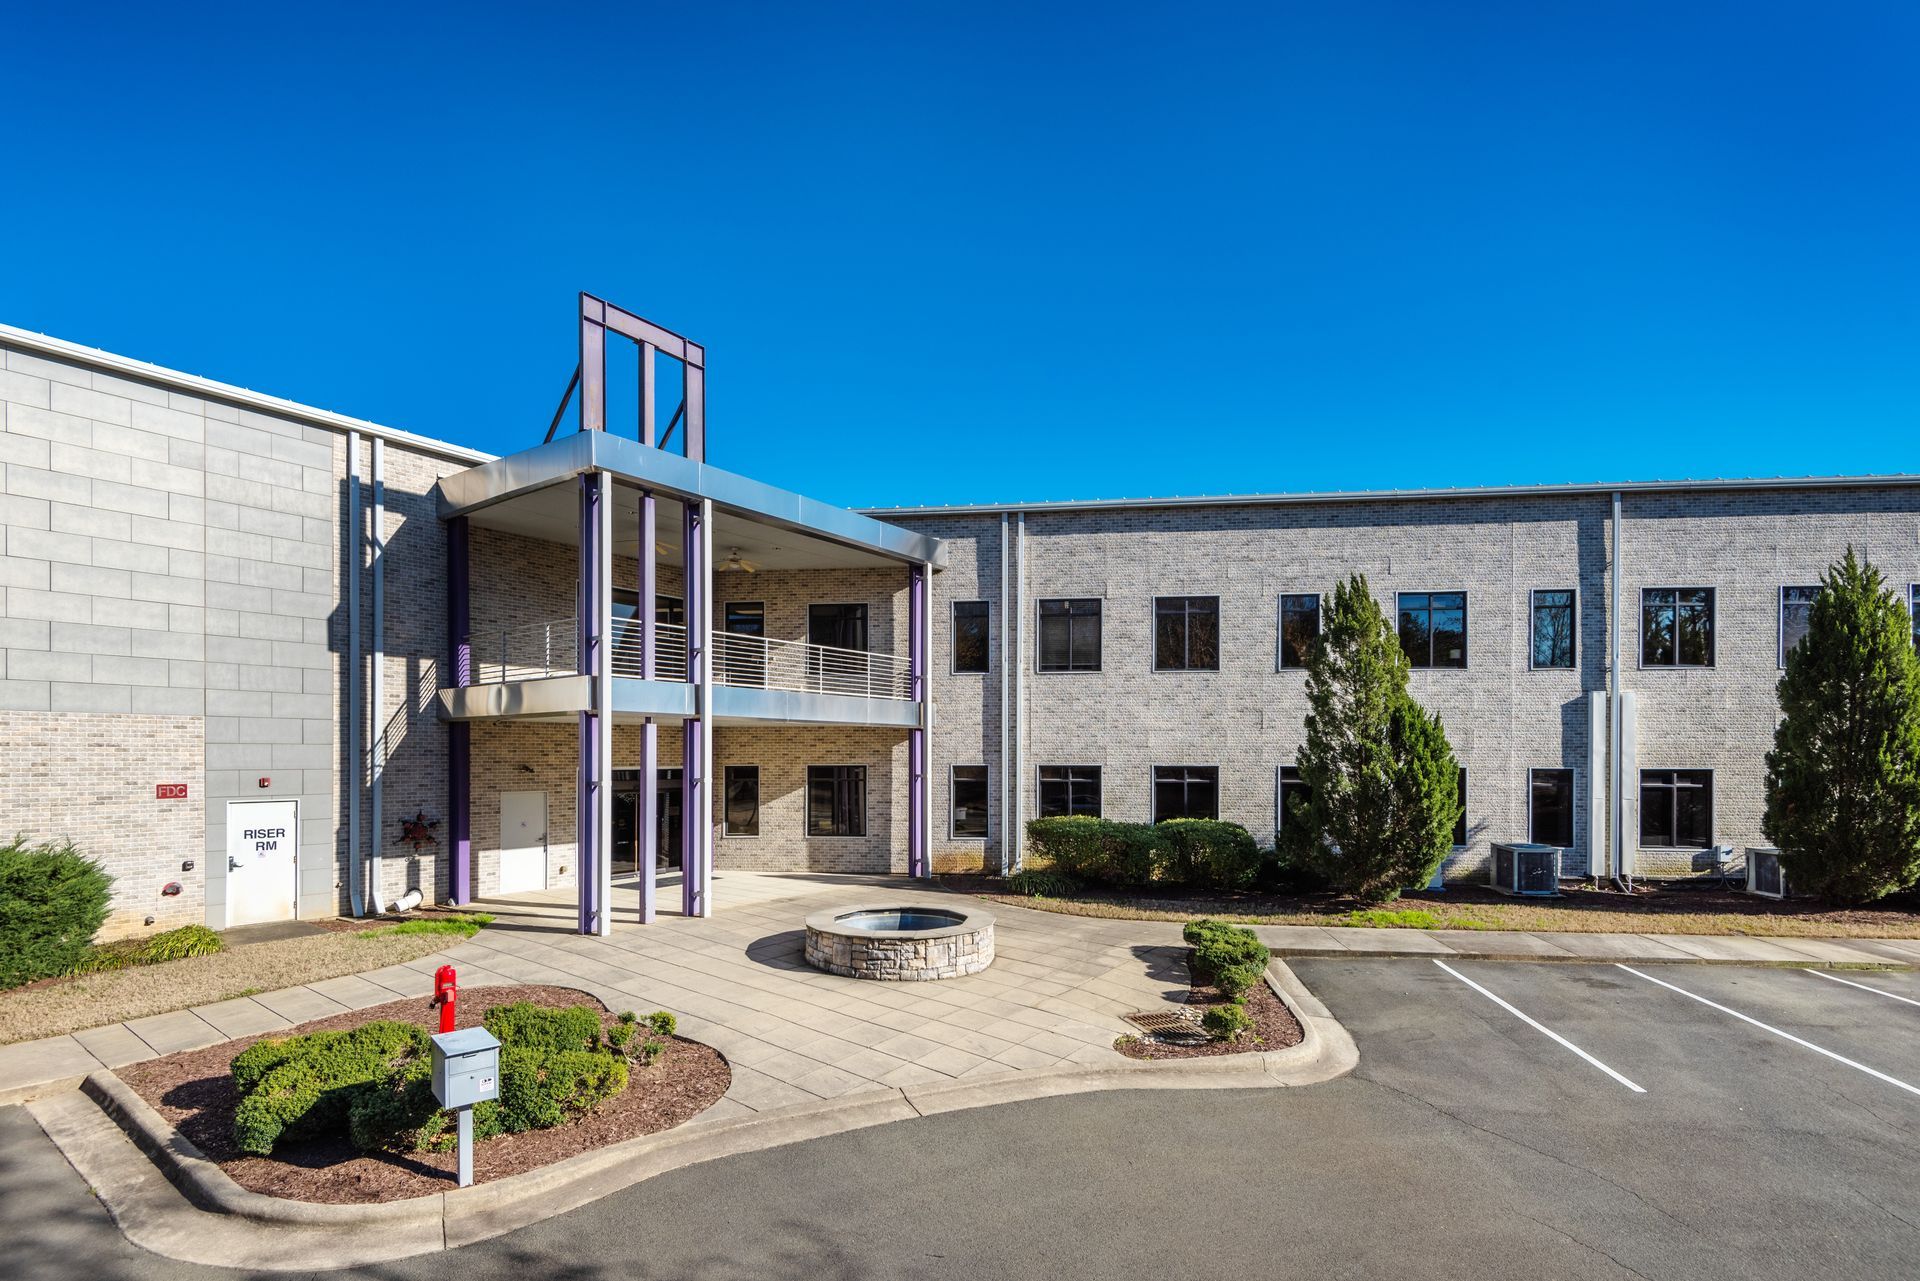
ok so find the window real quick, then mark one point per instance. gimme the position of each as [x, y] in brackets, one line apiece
[1460, 824]
[746, 618]
[1299, 629]
[1676, 627]
[741, 816]
[1676, 808]
[1550, 808]
[1553, 620]
[742, 662]
[1796, 612]
[1433, 628]
[1186, 633]
[1293, 791]
[969, 636]
[1913, 612]
[836, 800]
[668, 610]
[1070, 635]
[840, 626]
[969, 801]
[1186, 791]
[1069, 789]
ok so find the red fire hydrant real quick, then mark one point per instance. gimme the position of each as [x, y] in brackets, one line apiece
[446, 991]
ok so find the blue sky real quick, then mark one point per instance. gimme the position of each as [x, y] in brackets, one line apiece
[948, 254]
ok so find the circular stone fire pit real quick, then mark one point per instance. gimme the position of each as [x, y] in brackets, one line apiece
[907, 944]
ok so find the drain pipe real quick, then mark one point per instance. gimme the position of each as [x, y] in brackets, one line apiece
[376, 677]
[1006, 729]
[357, 749]
[1019, 694]
[1616, 746]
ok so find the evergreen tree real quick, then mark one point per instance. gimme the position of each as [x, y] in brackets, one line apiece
[1382, 786]
[1843, 778]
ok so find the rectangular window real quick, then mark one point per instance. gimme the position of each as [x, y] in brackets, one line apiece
[1676, 808]
[667, 610]
[1433, 628]
[1460, 824]
[742, 814]
[1186, 791]
[1186, 633]
[745, 618]
[1796, 612]
[1066, 790]
[838, 626]
[742, 662]
[1299, 629]
[1070, 635]
[969, 636]
[1553, 619]
[1293, 791]
[1676, 627]
[836, 800]
[969, 801]
[1550, 808]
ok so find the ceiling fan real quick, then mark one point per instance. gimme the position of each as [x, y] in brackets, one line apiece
[735, 564]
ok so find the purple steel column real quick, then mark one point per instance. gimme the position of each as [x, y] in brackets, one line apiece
[693, 789]
[647, 820]
[590, 847]
[917, 737]
[459, 733]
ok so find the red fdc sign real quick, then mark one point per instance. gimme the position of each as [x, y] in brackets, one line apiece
[169, 791]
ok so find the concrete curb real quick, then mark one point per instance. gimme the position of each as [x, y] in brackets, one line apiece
[197, 1214]
[1774, 963]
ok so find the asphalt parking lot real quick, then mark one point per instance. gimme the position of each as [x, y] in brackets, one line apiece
[1469, 1143]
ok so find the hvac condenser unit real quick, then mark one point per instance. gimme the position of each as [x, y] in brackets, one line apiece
[1764, 874]
[1526, 869]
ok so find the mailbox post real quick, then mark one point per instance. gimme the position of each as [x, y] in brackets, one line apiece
[466, 1071]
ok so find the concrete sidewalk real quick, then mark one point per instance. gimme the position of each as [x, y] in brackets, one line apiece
[738, 982]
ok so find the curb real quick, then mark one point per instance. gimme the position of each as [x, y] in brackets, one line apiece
[1780, 963]
[198, 1214]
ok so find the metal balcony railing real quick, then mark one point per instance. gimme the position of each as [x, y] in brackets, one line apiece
[537, 650]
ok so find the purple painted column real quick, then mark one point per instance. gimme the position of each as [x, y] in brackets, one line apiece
[647, 821]
[917, 737]
[693, 788]
[459, 733]
[590, 848]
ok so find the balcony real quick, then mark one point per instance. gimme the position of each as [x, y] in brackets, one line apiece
[536, 651]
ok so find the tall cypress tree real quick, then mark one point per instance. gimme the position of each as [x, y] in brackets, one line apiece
[1382, 781]
[1843, 778]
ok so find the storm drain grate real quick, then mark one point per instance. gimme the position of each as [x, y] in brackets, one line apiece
[1174, 1025]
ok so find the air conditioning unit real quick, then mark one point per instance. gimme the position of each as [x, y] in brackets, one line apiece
[1764, 874]
[1526, 869]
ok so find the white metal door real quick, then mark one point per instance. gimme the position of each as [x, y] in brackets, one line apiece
[262, 838]
[523, 842]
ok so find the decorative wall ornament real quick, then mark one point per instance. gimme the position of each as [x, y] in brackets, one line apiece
[418, 831]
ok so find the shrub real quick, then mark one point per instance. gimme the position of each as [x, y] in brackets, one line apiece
[1227, 1022]
[1237, 979]
[177, 945]
[1207, 852]
[1382, 784]
[1039, 882]
[1843, 778]
[398, 1112]
[1285, 871]
[662, 1023]
[305, 1086]
[52, 901]
[1096, 849]
[527, 1026]
[539, 1091]
[1233, 955]
[618, 1035]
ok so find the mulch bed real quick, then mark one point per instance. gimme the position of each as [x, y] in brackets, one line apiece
[194, 1091]
[1274, 1027]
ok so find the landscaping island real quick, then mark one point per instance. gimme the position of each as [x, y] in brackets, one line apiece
[1230, 1007]
[650, 1082]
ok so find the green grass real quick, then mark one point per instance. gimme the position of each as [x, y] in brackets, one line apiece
[464, 924]
[1406, 918]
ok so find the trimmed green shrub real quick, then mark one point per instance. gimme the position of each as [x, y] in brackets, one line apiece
[662, 1023]
[1232, 954]
[1843, 778]
[618, 1035]
[53, 899]
[527, 1026]
[307, 1086]
[1227, 1022]
[650, 1050]
[1207, 852]
[1237, 979]
[1040, 882]
[177, 945]
[397, 1113]
[1097, 849]
[539, 1091]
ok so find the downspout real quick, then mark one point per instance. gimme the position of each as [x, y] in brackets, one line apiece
[1006, 727]
[1020, 694]
[1616, 781]
[357, 749]
[375, 692]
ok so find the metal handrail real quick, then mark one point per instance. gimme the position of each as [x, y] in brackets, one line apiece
[529, 652]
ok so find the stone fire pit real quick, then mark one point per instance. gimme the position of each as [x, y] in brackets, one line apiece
[904, 944]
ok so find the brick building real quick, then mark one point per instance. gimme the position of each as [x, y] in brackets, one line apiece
[264, 660]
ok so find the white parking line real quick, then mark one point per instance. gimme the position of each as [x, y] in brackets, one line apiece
[1891, 996]
[1538, 1026]
[1768, 1027]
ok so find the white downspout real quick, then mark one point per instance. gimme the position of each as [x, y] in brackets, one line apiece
[1019, 695]
[1616, 778]
[357, 754]
[1007, 780]
[375, 692]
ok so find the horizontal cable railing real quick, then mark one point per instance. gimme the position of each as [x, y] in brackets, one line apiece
[538, 650]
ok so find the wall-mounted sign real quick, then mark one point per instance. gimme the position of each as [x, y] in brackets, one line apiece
[169, 791]
[266, 782]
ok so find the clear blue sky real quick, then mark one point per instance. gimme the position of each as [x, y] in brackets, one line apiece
[971, 255]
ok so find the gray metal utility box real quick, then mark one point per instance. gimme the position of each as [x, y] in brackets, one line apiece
[466, 1067]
